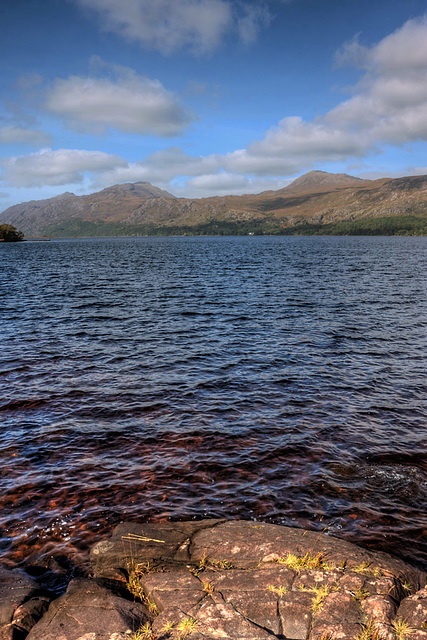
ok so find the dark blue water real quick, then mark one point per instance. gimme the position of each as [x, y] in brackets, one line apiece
[280, 379]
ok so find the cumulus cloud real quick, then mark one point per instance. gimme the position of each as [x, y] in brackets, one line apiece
[161, 167]
[127, 102]
[292, 145]
[388, 106]
[170, 25]
[63, 166]
[13, 134]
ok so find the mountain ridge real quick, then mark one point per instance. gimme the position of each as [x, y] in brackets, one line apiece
[316, 198]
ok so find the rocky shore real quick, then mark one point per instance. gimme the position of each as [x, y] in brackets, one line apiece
[219, 579]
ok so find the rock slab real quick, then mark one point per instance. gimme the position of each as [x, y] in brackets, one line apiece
[229, 580]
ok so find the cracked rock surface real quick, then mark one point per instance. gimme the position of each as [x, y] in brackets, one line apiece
[237, 580]
[247, 581]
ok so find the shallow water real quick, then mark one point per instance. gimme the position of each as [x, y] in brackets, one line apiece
[273, 378]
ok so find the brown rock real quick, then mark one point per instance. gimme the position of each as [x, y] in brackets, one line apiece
[157, 544]
[16, 588]
[414, 610]
[245, 544]
[344, 631]
[268, 578]
[89, 611]
[339, 608]
[258, 607]
[233, 580]
[295, 610]
[379, 608]
[221, 620]
[29, 613]
[175, 589]
[314, 578]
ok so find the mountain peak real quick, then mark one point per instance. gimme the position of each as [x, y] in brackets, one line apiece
[322, 179]
[139, 189]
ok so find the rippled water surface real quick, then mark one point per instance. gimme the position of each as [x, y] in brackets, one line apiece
[280, 379]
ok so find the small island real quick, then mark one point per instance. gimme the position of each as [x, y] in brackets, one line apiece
[9, 233]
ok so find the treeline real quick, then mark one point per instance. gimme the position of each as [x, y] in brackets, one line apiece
[384, 226]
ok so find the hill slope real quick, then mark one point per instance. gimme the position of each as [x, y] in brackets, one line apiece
[317, 202]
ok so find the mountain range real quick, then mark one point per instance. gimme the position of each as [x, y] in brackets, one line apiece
[317, 202]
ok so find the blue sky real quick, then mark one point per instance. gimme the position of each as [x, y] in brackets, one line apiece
[207, 97]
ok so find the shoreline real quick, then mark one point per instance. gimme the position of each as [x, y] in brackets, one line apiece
[235, 579]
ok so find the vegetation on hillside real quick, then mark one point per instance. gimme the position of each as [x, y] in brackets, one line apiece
[383, 226]
[8, 233]
[409, 225]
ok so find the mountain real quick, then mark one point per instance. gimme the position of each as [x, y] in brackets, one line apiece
[39, 217]
[317, 202]
[322, 180]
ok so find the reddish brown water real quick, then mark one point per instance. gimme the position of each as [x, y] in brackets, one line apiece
[278, 379]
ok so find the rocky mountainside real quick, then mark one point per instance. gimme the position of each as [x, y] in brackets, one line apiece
[314, 199]
[113, 204]
[322, 180]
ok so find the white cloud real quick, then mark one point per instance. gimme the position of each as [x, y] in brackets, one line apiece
[170, 25]
[224, 183]
[160, 168]
[404, 50]
[390, 102]
[129, 103]
[14, 134]
[389, 106]
[294, 144]
[63, 166]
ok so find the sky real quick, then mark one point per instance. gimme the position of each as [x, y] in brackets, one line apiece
[208, 97]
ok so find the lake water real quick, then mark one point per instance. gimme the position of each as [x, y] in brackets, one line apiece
[281, 379]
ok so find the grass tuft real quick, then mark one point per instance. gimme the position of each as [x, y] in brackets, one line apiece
[134, 586]
[221, 564]
[322, 593]
[369, 632]
[298, 563]
[143, 633]
[281, 590]
[366, 568]
[360, 594]
[402, 629]
[185, 627]
[205, 563]
[208, 587]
